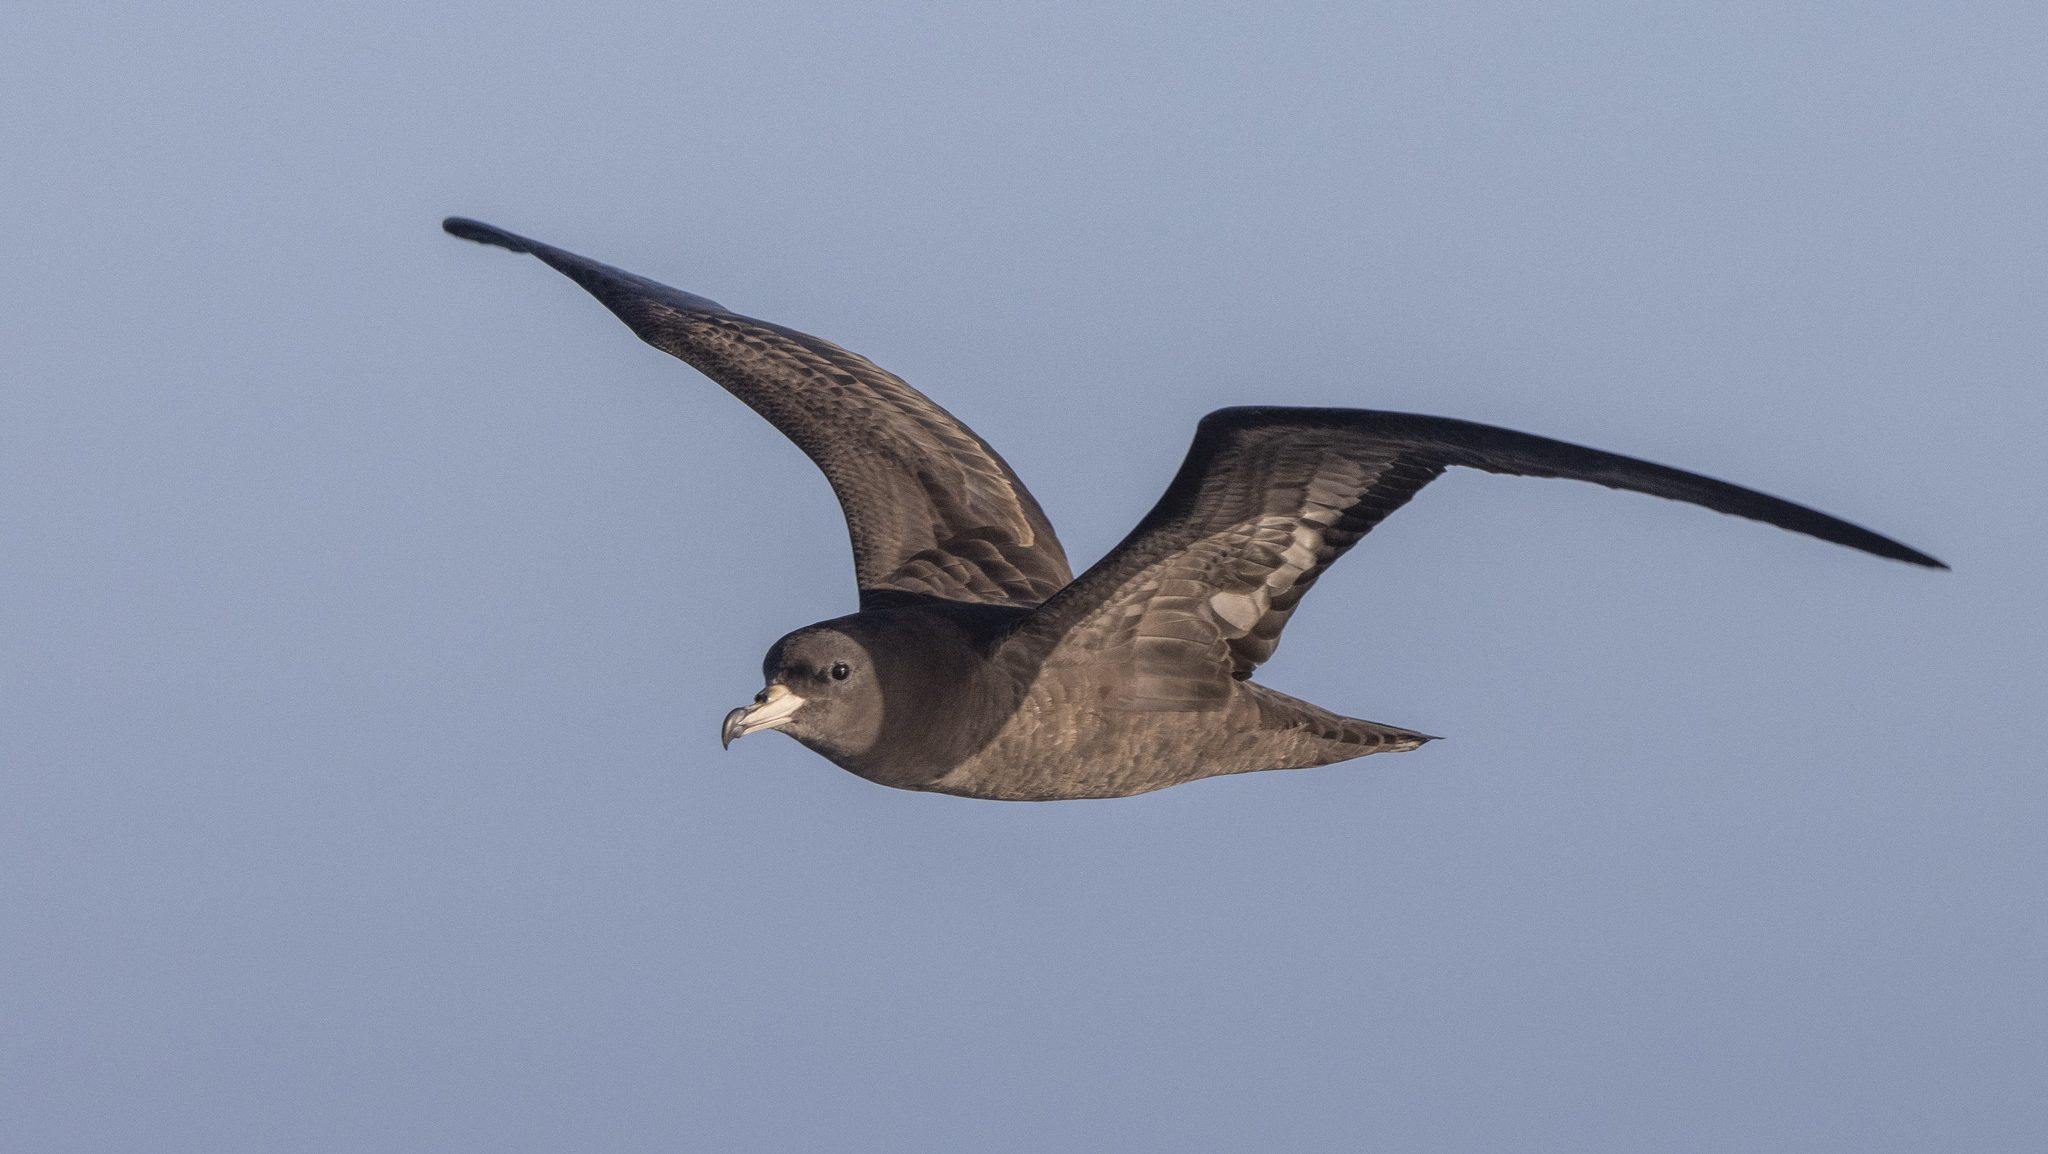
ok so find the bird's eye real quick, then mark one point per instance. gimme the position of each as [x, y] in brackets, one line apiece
[841, 671]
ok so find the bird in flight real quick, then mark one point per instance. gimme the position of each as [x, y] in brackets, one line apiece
[979, 665]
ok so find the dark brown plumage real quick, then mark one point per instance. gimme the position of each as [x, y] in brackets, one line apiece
[978, 665]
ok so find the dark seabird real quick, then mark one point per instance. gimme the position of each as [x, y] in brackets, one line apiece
[979, 665]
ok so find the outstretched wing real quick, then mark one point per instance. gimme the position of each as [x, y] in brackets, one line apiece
[933, 511]
[1268, 498]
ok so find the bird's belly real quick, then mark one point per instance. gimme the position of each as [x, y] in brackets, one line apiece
[1043, 754]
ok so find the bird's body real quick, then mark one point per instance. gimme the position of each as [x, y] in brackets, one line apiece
[979, 665]
[1062, 744]
[973, 706]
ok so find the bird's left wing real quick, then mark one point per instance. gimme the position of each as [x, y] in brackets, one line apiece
[933, 510]
[1268, 498]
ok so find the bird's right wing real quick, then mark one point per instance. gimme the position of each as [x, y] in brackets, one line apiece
[1268, 498]
[932, 510]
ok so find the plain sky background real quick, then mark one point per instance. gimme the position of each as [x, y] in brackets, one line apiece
[369, 601]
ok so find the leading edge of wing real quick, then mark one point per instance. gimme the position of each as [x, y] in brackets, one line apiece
[1497, 450]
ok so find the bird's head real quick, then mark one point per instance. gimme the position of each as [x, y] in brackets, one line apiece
[822, 688]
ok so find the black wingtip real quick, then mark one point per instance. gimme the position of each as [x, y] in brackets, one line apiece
[1886, 547]
[620, 291]
[482, 233]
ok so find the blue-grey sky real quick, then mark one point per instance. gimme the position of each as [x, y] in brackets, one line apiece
[369, 601]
